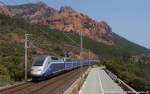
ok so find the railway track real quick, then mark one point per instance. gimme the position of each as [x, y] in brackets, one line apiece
[55, 85]
[15, 87]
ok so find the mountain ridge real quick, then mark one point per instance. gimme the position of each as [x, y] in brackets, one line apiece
[65, 19]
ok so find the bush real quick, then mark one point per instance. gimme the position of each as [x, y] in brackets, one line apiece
[138, 84]
[14, 67]
[4, 75]
[87, 25]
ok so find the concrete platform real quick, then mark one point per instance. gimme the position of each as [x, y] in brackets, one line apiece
[98, 82]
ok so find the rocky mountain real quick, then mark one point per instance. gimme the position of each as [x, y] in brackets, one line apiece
[65, 19]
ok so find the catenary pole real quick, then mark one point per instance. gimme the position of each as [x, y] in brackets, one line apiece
[26, 56]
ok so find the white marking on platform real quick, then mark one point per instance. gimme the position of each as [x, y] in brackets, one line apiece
[98, 82]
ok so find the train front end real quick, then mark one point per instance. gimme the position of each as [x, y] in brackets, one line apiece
[38, 67]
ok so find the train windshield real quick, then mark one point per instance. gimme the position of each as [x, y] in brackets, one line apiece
[39, 61]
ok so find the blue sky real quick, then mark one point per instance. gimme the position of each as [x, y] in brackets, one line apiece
[128, 18]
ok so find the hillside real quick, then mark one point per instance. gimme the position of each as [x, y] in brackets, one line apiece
[46, 39]
[65, 19]
[68, 20]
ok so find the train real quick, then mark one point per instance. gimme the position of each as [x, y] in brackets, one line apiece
[45, 65]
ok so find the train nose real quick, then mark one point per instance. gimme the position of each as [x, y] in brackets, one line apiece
[36, 72]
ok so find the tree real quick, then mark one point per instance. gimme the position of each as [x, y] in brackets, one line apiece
[4, 75]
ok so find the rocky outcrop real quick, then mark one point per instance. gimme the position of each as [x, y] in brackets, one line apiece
[65, 19]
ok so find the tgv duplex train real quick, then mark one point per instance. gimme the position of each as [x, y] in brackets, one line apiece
[45, 65]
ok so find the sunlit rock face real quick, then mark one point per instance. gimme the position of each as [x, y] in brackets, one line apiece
[65, 19]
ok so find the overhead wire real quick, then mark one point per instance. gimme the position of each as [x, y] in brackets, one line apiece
[70, 38]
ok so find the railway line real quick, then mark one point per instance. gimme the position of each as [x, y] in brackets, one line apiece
[54, 85]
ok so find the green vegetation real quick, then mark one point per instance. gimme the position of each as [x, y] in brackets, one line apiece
[127, 46]
[87, 25]
[49, 41]
[136, 74]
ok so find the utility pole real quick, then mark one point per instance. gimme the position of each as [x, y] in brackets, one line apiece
[26, 56]
[81, 50]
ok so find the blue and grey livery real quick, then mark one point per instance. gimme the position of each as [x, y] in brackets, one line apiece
[45, 65]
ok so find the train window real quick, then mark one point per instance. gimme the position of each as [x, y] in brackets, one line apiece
[54, 58]
[69, 60]
[38, 63]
